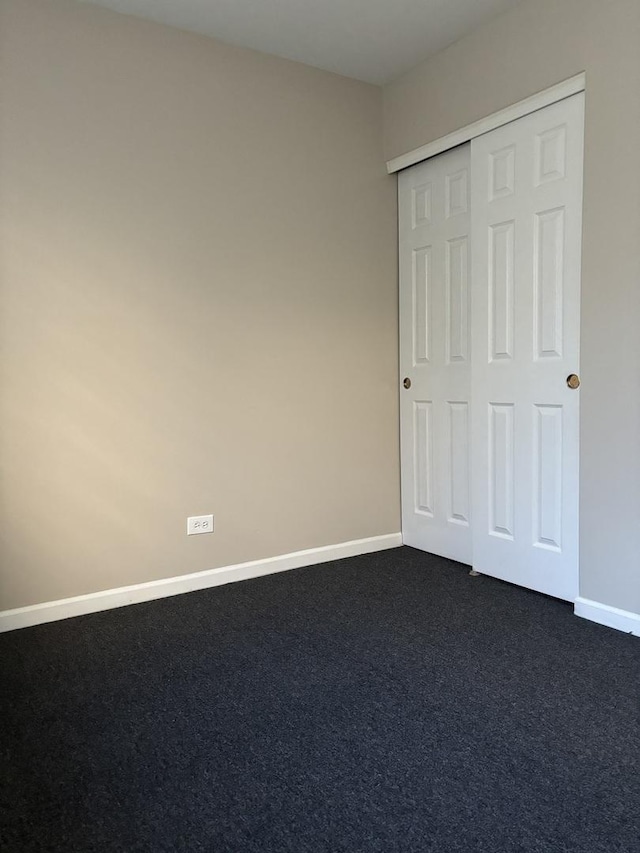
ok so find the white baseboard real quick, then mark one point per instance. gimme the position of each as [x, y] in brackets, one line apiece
[612, 617]
[50, 611]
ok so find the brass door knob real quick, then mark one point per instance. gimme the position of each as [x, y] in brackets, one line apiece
[573, 381]
[406, 382]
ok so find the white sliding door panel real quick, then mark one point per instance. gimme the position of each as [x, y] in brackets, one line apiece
[435, 332]
[526, 203]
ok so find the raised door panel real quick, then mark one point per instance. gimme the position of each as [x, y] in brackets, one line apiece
[549, 265]
[502, 174]
[421, 307]
[546, 499]
[421, 205]
[423, 457]
[457, 193]
[501, 290]
[501, 470]
[550, 155]
[457, 299]
[459, 463]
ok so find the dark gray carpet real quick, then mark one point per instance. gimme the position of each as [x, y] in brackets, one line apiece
[381, 703]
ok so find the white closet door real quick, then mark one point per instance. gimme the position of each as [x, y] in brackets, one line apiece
[526, 191]
[433, 200]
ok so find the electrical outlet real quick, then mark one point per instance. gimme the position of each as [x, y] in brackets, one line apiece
[199, 524]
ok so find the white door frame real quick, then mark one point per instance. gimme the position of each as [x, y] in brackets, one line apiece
[552, 95]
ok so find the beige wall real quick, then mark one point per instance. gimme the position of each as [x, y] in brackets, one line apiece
[198, 304]
[528, 49]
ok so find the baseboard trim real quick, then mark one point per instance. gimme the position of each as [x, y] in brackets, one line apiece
[612, 617]
[51, 611]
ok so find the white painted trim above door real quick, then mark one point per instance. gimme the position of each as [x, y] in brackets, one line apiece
[529, 105]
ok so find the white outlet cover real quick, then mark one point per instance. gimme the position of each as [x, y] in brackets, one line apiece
[199, 524]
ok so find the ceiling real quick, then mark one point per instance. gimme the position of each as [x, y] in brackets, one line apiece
[371, 40]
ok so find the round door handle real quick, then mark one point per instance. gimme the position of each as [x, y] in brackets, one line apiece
[573, 381]
[406, 382]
